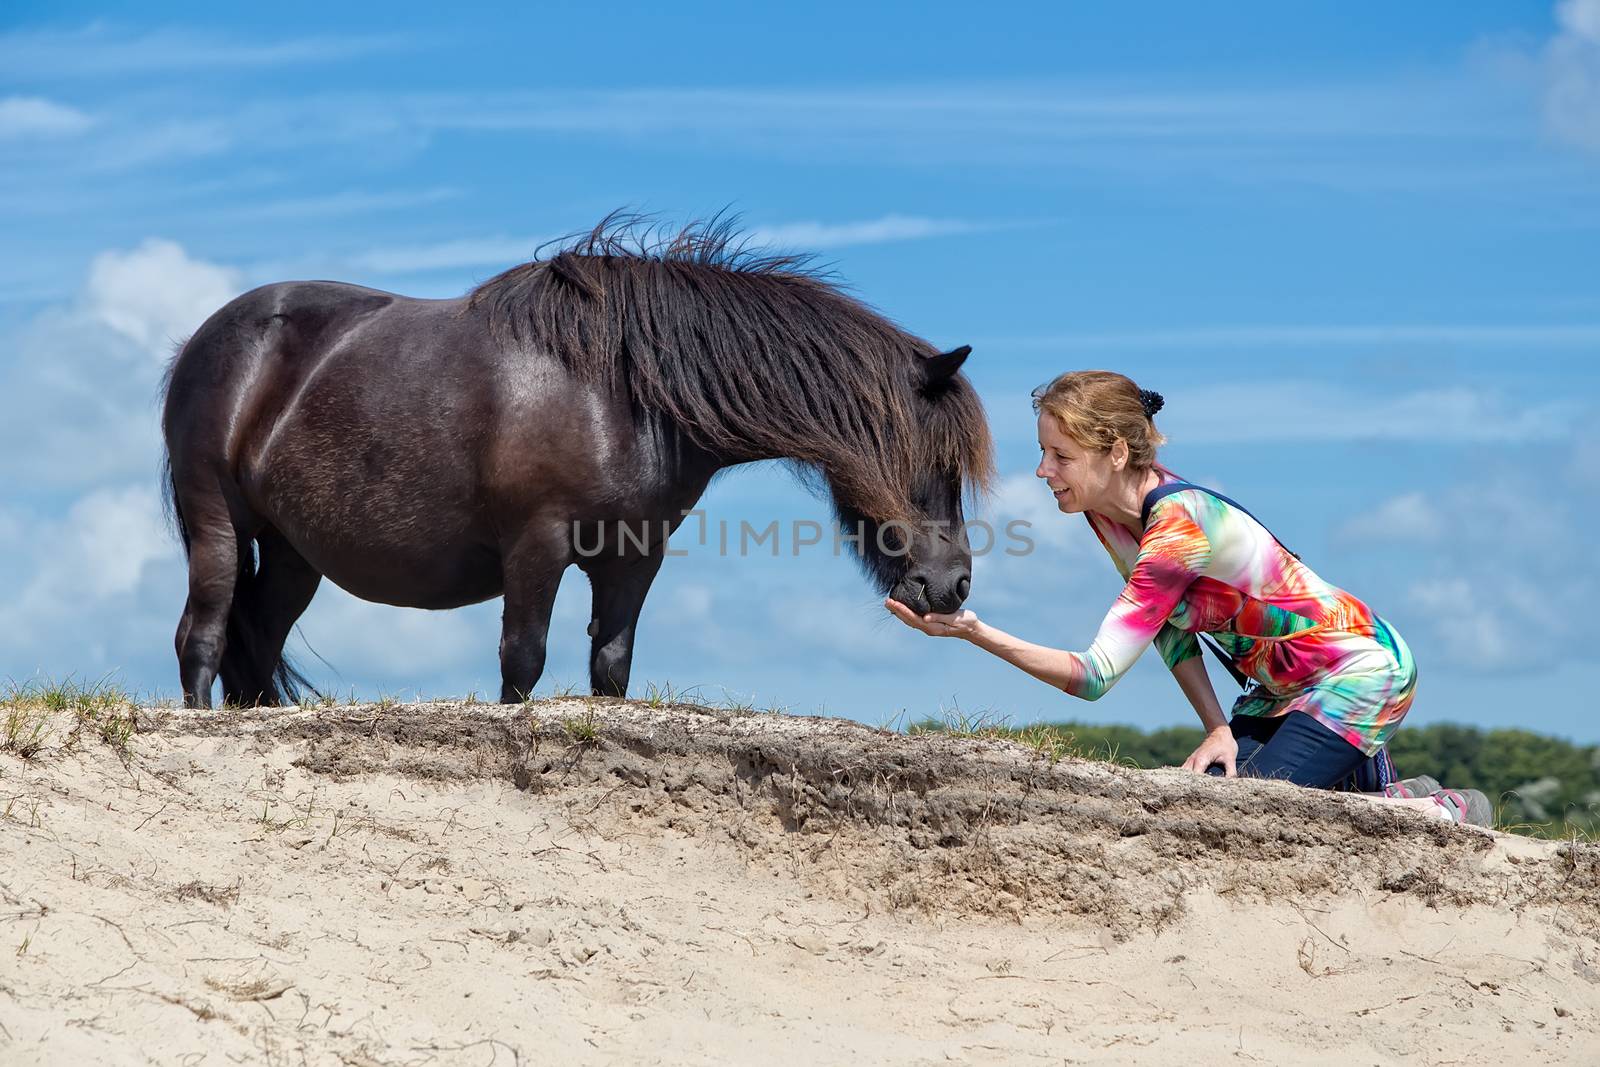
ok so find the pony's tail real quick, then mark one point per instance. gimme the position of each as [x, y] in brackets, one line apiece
[169, 486]
[169, 501]
[244, 656]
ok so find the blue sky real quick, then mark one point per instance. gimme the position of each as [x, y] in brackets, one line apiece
[1355, 244]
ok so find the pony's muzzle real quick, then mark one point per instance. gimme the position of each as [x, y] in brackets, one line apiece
[940, 592]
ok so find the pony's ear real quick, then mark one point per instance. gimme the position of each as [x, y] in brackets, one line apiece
[938, 369]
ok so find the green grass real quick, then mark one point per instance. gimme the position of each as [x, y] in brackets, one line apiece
[583, 729]
[30, 713]
[664, 695]
[25, 730]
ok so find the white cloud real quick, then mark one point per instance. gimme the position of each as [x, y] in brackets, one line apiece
[503, 251]
[499, 251]
[1255, 412]
[1580, 18]
[84, 374]
[835, 630]
[32, 116]
[692, 602]
[1472, 632]
[73, 577]
[1042, 115]
[1410, 517]
[1263, 410]
[821, 235]
[1572, 74]
[1289, 134]
[1319, 335]
[1584, 468]
[110, 536]
[349, 202]
[100, 50]
[1504, 573]
[156, 294]
[1516, 615]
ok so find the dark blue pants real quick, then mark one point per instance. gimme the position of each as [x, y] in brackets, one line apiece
[1297, 748]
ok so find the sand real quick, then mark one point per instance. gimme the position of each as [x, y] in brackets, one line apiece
[587, 881]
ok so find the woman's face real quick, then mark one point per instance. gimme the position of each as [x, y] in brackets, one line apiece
[1076, 475]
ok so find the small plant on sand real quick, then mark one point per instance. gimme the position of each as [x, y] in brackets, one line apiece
[956, 722]
[10, 814]
[664, 695]
[270, 823]
[1050, 743]
[116, 729]
[737, 705]
[582, 729]
[26, 730]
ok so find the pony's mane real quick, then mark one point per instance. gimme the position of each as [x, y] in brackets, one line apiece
[752, 354]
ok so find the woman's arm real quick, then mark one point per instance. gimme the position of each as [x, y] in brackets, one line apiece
[1172, 554]
[1054, 666]
[1071, 672]
[1219, 745]
[1196, 685]
[1065, 670]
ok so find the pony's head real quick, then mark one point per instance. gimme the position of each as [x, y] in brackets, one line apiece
[913, 542]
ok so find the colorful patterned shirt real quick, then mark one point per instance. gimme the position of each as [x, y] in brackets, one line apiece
[1203, 564]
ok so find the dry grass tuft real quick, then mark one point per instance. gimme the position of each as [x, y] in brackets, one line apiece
[220, 895]
[29, 713]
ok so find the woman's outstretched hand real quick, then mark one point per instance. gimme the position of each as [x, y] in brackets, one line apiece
[962, 623]
[1218, 747]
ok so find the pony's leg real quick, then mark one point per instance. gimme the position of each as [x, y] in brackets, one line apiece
[269, 602]
[619, 592]
[213, 570]
[532, 575]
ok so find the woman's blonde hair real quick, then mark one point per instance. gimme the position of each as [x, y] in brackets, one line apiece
[1095, 407]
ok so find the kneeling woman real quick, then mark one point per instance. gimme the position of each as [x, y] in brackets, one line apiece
[1332, 680]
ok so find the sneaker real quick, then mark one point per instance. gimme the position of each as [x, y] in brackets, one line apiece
[1420, 786]
[1466, 806]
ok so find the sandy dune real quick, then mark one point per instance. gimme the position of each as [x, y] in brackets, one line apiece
[582, 882]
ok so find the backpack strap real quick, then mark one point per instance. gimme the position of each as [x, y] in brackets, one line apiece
[1150, 500]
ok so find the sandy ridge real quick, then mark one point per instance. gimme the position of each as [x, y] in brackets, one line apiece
[605, 881]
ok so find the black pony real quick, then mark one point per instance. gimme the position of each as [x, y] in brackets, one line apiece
[436, 453]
